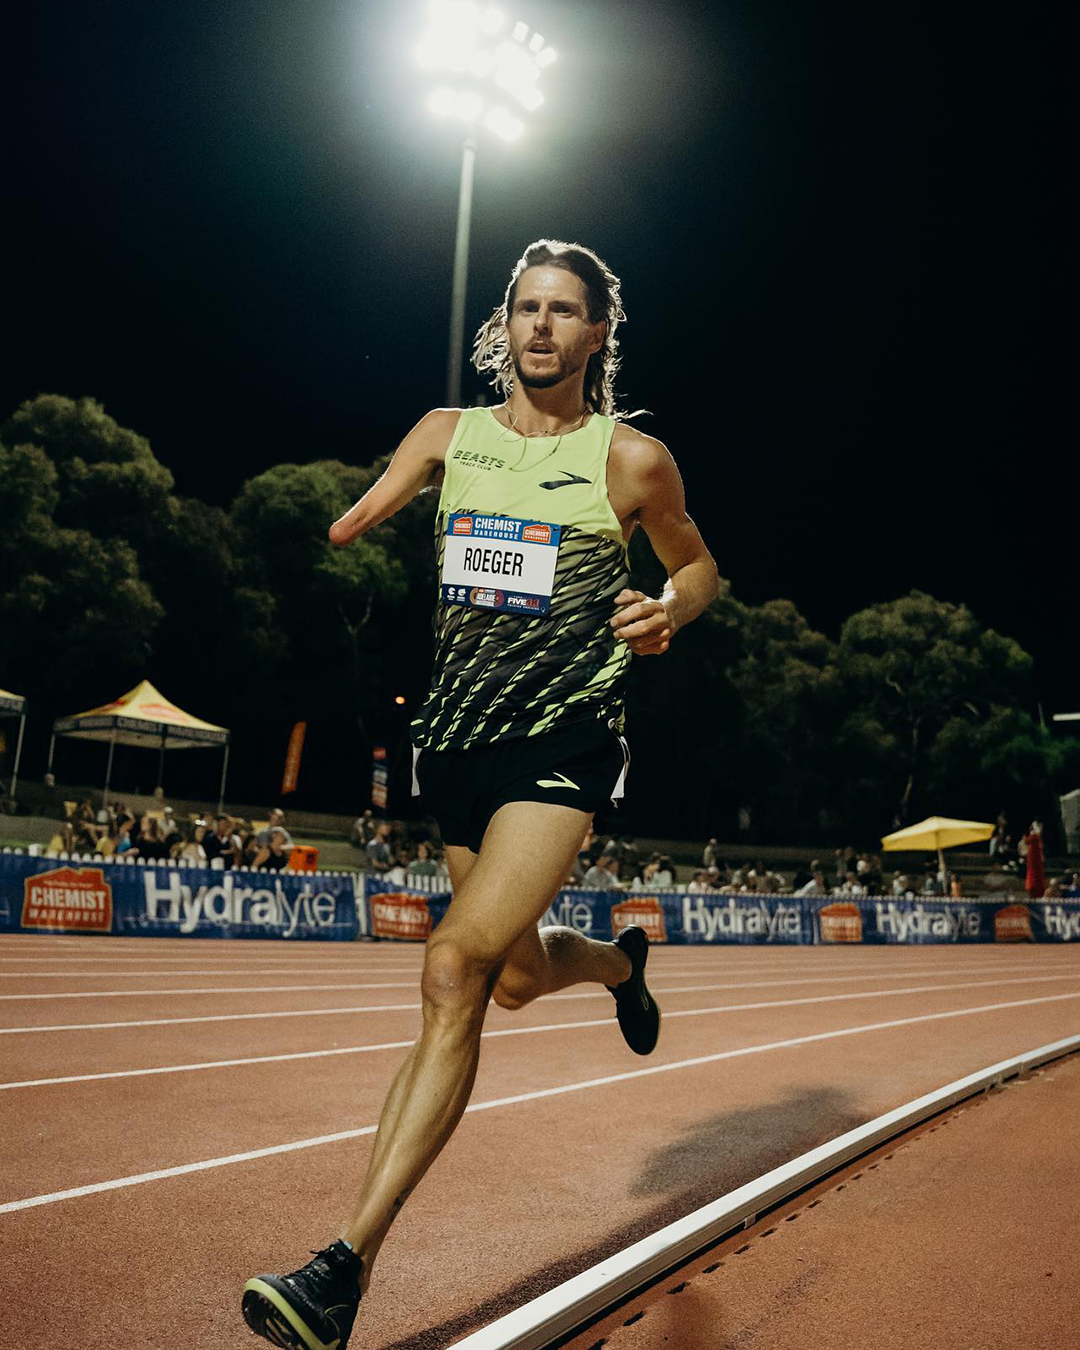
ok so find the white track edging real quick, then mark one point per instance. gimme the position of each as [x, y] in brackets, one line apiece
[582, 1299]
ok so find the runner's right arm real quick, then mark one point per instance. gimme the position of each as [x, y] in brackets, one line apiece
[415, 463]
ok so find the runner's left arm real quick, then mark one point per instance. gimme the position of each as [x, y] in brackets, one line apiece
[648, 625]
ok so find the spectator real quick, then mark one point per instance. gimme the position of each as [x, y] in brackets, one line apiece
[628, 862]
[378, 855]
[932, 884]
[901, 884]
[249, 845]
[1071, 886]
[277, 822]
[699, 881]
[222, 843]
[665, 873]
[816, 884]
[601, 875]
[149, 843]
[801, 877]
[363, 829]
[711, 855]
[169, 829]
[193, 852]
[956, 887]
[125, 832]
[273, 856]
[81, 831]
[423, 865]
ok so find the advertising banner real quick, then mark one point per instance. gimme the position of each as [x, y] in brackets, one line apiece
[56, 896]
[402, 913]
[930, 921]
[291, 774]
[49, 895]
[380, 778]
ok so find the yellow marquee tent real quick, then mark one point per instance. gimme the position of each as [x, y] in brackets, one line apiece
[143, 717]
[14, 705]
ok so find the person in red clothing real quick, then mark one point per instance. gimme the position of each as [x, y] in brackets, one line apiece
[1035, 883]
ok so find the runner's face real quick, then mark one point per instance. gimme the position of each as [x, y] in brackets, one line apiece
[551, 338]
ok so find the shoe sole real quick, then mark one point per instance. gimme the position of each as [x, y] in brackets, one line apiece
[272, 1317]
[648, 1003]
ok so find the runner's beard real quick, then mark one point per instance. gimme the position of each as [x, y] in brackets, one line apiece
[548, 379]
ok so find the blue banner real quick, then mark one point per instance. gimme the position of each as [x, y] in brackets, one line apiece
[938, 922]
[411, 912]
[50, 895]
[53, 895]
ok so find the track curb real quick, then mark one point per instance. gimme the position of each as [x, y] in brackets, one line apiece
[585, 1297]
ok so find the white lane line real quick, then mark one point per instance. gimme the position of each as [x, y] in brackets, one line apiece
[172, 974]
[518, 1031]
[411, 984]
[206, 1164]
[549, 998]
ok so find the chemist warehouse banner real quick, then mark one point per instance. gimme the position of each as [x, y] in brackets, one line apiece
[410, 914]
[47, 895]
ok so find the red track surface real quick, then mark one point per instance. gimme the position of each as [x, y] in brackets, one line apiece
[528, 1192]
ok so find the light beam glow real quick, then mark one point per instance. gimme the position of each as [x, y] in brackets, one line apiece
[462, 40]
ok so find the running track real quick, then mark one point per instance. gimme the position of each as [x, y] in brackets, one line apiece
[180, 1114]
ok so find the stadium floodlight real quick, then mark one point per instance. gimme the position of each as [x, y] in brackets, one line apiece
[481, 69]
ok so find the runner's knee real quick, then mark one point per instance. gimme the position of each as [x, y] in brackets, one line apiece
[456, 981]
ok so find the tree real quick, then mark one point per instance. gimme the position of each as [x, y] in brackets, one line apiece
[787, 683]
[912, 666]
[77, 604]
[108, 480]
[343, 619]
[74, 602]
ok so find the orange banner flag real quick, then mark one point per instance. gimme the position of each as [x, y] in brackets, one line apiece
[292, 758]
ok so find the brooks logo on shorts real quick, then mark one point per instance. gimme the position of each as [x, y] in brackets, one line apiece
[559, 781]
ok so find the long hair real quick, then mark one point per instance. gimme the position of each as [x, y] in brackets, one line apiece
[491, 348]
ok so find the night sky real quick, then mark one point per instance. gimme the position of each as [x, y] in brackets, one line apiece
[845, 234]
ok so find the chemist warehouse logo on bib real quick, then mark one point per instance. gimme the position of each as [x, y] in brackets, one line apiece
[463, 525]
[72, 899]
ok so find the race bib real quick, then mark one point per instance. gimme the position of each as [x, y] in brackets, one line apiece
[496, 562]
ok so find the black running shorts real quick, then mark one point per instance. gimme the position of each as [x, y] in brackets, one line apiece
[582, 765]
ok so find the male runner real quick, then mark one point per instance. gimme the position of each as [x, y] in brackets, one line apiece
[518, 738]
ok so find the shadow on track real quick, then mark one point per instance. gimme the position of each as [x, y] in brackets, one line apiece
[713, 1156]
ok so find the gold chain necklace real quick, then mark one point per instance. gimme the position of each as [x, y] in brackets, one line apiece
[525, 440]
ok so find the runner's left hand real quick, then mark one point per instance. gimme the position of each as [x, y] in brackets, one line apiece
[643, 624]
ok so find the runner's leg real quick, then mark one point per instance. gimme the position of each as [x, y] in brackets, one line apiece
[497, 902]
[551, 958]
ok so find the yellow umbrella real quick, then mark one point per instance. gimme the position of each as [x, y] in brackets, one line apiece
[937, 832]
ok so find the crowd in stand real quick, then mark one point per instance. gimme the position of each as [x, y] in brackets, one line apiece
[220, 841]
[400, 851]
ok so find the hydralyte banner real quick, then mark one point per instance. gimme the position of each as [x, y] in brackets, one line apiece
[410, 913]
[61, 896]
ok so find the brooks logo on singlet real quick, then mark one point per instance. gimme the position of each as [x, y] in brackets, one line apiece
[499, 676]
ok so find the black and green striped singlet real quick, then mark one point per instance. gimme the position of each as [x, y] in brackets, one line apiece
[497, 674]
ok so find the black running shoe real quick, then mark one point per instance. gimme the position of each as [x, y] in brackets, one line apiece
[311, 1309]
[635, 1007]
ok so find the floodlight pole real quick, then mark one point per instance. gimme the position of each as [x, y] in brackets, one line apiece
[461, 275]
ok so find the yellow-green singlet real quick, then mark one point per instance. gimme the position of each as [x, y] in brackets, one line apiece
[502, 675]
